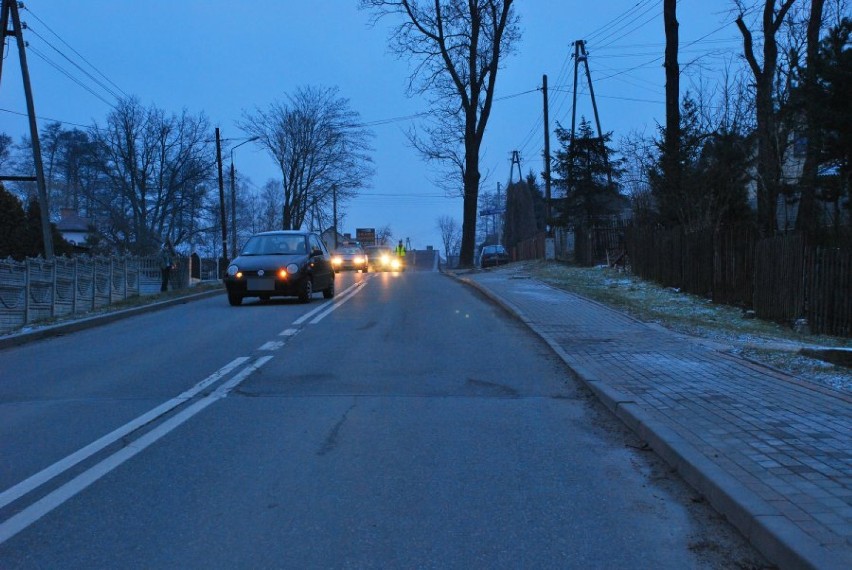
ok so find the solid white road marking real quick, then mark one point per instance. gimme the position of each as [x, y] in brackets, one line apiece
[343, 298]
[322, 307]
[34, 512]
[15, 492]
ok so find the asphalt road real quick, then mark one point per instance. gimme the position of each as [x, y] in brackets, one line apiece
[408, 423]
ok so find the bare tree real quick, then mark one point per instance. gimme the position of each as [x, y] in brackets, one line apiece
[459, 46]
[768, 152]
[155, 164]
[320, 146]
[450, 234]
[806, 218]
[384, 235]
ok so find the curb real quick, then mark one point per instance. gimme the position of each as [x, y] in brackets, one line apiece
[780, 542]
[96, 320]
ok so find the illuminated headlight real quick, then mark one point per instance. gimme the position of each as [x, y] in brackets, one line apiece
[337, 260]
[292, 269]
[395, 264]
[358, 259]
[282, 273]
[233, 270]
[385, 258]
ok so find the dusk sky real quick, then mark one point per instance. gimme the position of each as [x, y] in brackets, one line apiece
[226, 57]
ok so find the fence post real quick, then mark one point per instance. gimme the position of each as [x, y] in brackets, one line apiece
[53, 262]
[125, 277]
[94, 283]
[111, 277]
[74, 287]
[27, 291]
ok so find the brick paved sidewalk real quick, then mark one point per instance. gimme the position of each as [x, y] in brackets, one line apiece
[770, 452]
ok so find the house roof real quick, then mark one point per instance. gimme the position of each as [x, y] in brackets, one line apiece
[72, 222]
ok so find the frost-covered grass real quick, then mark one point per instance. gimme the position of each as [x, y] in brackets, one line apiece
[767, 342]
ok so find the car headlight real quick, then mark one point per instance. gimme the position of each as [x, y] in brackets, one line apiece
[292, 268]
[395, 264]
[385, 258]
[337, 260]
[358, 259]
[233, 270]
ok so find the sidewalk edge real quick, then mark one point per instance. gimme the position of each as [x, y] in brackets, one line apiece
[782, 543]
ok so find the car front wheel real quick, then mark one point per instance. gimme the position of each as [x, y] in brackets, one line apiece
[328, 292]
[307, 291]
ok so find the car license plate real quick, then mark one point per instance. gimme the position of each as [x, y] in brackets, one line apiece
[261, 284]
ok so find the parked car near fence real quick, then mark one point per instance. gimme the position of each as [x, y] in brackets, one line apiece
[493, 255]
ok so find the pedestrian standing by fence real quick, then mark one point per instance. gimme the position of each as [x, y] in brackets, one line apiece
[166, 263]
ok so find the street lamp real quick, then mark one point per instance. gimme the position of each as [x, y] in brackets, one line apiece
[234, 196]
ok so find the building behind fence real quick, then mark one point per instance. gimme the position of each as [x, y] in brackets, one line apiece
[37, 289]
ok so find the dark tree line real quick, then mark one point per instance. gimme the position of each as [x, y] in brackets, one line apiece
[20, 229]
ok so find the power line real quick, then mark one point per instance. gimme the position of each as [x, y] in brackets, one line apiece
[67, 74]
[43, 23]
[72, 62]
[45, 118]
[615, 21]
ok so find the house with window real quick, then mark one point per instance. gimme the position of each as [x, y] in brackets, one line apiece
[75, 229]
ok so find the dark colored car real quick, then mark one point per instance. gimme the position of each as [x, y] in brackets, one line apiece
[493, 255]
[382, 258]
[281, 264]
[349, 257]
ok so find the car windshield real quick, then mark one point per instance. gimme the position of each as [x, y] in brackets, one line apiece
[378, 250]
[275, 245]
[348, 250]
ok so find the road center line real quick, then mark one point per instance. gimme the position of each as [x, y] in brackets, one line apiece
[27, 485]
[310, 314]
[37, 510]
[345, 297]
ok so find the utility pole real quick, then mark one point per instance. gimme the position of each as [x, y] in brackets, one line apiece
[222, 215]
[334, 211]
[10, 9]
[546, 157]
[234, 233]
[233, 205]
[580, 56]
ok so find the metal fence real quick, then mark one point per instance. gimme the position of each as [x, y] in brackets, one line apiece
[37, 290]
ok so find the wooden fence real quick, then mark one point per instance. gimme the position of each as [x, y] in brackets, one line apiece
[782, 278]
[530, 248]
[829, 284]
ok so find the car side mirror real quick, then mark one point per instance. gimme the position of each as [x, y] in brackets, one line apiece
[315, 252]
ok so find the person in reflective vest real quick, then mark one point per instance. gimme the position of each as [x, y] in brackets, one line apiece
[400, 249]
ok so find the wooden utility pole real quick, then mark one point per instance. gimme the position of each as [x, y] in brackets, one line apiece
[222, 204]
[546, 156]
[580, 56]
[334, 212]
[233, 205]
[10, 10]
[672, 139]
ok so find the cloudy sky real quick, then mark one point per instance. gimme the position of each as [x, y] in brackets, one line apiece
[223, 58]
